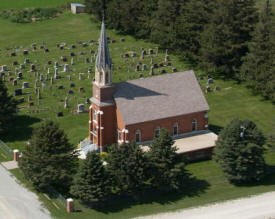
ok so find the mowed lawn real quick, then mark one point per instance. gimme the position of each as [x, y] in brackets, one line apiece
[6, 4]
[233, 100]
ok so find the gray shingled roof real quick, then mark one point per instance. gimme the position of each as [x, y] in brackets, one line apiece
[159, 97]
[103, 58]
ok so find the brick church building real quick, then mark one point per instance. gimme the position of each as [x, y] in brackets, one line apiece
[136, 110]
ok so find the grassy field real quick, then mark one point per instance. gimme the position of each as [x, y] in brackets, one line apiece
[233, 100]
[207, 186]
[6, 4]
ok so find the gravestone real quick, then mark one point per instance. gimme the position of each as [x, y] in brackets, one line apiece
[66, 106]
[66, 68]
[19, 75]
[25, 85]
[38, 94]
[70, 91]
[81, 90]
[56, 65]
[151, 70]
[25, 52]
[49, 71]
[27, 61]
[162, 71]
[174, 70]
[210, 81]
[207, 89]
[72, 61]
[137, 67]
[80, 108]
[63, 58]
[4, 68]
[32, 68]
[46, 50]
[18, 92]
[60, 114]
[87, 100]
[56, 75]
[87, 60]
[144, 67]
[69, 77]
[80, 76]
[150, 51]
[72, 85]
[14, 83]
[41, 78]
[16, 70]
[52, 80]
[22, 66]
[166, 59]
[60, 87]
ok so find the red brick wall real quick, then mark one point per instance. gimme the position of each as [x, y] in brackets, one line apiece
[107, 121]
[104, 93]
[184, 125]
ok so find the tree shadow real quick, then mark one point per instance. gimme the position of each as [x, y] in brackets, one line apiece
[268, 180]
[215, 128]
[192, 187]
[19, 128]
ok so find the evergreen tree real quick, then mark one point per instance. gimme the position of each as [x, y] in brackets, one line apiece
[224, 41]
[239, 151]
[97, 8]
[48, 160]
[7, 106]
[127, 168]
[259, 64]
[190, 23]
[163, 22]
[91, 184]
[167, 168]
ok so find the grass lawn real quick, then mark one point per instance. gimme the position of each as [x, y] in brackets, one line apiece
[208, 186]
[233, 100]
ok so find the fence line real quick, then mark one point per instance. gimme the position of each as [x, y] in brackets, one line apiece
[8, 151]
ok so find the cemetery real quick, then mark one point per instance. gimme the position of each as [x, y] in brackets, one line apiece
[49, 67]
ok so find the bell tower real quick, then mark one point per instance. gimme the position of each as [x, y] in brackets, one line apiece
[102, 109]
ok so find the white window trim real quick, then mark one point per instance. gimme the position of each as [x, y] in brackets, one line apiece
[196, 122]
[176, 125]
[157, 128]
[138, 131]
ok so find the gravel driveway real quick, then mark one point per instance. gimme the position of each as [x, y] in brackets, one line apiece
[16, 202]
[255, 207]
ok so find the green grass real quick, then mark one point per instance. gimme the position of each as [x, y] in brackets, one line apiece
[234, 100]
[6, 4]
[208, 186]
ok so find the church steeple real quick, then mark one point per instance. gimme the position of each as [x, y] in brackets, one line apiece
[103, 65]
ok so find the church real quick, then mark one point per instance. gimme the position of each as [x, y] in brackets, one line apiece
[136, 110]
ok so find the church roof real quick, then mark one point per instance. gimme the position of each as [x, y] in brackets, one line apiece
[103, 58]
[159, 97]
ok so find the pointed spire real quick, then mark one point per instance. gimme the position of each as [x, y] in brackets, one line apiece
[103, 59]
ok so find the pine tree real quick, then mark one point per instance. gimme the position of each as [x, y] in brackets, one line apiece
[190, 23]
[48, 159]
[259, 64]
[163, 22]
[7, 106]
[239, 151]
[167, 168]
[127, 168]
[224, 41]
[91, 184]
[97, 8]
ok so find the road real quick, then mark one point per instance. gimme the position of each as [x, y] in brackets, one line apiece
[255, 207]
[16, 202]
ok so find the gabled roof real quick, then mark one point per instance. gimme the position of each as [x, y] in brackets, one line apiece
[159, 97]
[103, 58]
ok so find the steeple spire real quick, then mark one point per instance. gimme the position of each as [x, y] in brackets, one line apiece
[103, 59]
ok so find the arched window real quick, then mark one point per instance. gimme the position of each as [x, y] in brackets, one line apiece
[194, 125]
[138, 136]
[157, 130]
[176, 129]
[107, 78]
[94, 115]
[100, 77]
